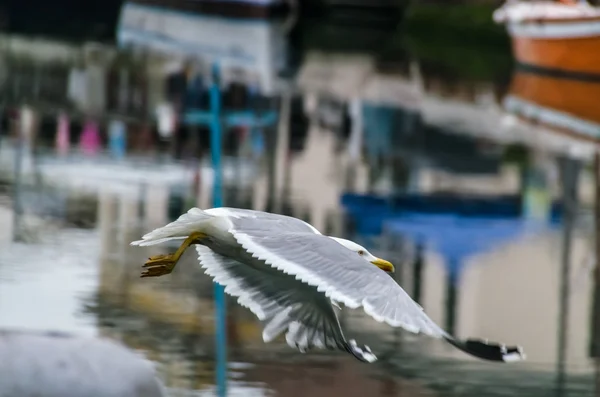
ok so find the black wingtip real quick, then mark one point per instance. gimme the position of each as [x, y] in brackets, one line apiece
[488, 350]
[362, 353]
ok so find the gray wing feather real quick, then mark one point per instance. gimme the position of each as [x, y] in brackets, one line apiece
[258, 220]
[338, 272]
[280, 301]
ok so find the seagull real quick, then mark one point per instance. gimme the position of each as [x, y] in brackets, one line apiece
[292, 277]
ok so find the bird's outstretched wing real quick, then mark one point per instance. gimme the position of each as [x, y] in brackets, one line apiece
[258, 220]
[282, 303]
[344, 277]
[339, 273]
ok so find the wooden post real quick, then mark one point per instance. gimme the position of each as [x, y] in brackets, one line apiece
[595, 323]
[570, 172]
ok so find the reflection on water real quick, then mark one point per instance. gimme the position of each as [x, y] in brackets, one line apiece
[411, 163]
[29, 277]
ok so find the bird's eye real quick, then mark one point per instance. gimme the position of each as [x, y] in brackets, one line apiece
[361, 252]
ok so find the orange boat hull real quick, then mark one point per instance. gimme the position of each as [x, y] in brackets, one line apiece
[566, 105]
[576, 55]
[571, 45]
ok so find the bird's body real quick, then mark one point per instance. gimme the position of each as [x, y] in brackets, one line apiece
[291, 277]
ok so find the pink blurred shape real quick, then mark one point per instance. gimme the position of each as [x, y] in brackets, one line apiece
[90, 138]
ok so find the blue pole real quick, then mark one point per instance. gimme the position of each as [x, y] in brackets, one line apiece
[220, 308]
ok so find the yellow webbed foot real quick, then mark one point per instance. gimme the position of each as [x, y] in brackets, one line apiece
[160, 259]
[159, 265]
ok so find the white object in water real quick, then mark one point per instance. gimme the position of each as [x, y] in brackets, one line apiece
[61, 365]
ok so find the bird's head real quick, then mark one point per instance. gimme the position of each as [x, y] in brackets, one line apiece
[366, 255]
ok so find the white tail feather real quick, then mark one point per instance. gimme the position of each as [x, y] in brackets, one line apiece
[181, 228]
[145, 243]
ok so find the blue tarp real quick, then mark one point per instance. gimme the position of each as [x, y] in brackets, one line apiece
[452, 226]
[374, 210]
[457, 237]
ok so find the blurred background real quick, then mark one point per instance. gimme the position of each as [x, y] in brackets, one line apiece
[456, 139]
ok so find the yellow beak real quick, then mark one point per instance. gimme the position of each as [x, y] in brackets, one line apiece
[384, 265]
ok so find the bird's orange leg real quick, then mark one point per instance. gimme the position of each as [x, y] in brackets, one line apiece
[159, 265]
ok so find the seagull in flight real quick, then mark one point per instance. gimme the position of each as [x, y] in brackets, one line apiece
[291, 277]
